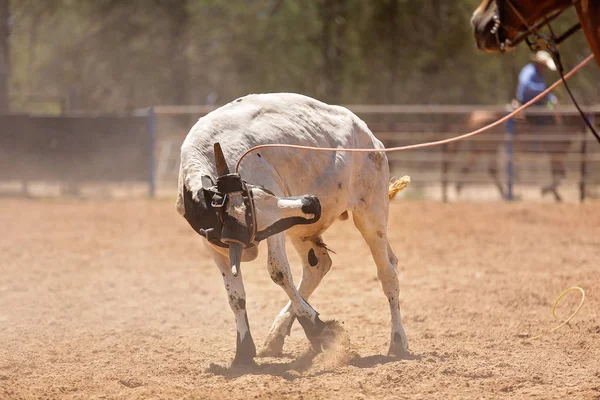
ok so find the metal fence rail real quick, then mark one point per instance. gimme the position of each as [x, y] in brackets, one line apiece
[525, 158]
[72, 150]
[144, 148]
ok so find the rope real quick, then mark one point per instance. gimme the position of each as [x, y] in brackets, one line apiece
[566, 321]
[428, 144]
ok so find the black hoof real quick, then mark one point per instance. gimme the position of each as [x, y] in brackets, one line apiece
[245, 351]
[313, 331]
[242, 362]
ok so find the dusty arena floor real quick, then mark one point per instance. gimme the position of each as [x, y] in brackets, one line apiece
[118, 300]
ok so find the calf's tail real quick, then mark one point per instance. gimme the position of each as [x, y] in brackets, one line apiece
[396, 185]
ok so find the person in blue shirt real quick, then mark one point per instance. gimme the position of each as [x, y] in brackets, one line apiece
[532, 83]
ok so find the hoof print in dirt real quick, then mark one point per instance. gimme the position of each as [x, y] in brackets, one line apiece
[130, 383]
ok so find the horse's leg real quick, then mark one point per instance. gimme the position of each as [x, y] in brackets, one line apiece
[467, 164]
[493, 171]
[556, 152]
[558, 173]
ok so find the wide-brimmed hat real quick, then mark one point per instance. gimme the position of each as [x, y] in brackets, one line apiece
[543, 57]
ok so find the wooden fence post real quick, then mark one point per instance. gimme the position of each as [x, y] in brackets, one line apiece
[582, 167]
[444, 173]
[510, 135]
[583, 159]
[151, 161]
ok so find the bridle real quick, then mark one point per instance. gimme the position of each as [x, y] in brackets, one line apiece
[539, 41]
[228, 229]
[532, 35]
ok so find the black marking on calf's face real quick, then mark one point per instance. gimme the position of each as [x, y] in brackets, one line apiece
[311, 205]
[198, 213]
[312, 258]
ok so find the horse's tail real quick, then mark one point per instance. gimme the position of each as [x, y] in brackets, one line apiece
[396, 185]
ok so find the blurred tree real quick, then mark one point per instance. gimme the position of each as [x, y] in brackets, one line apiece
[4, 55]
[114, 54]
[333, 15]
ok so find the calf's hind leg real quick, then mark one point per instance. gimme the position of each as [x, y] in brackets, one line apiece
[316, 262]
[371, 221]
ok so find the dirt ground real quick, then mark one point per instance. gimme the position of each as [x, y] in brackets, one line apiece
[118, 300]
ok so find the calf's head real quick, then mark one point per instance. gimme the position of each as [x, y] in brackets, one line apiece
[236, 215]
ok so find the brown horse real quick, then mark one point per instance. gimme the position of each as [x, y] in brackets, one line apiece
[476, 151]
[500, 25]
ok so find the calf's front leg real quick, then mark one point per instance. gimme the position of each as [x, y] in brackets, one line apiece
[245, 351]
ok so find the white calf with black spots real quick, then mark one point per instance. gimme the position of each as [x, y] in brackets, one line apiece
[290, 192]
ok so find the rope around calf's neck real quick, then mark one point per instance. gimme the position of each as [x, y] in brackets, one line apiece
[428, 144]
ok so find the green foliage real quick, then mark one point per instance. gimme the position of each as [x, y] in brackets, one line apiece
[114, 55]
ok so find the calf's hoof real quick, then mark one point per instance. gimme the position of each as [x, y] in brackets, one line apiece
[313, 331]
[398, 345]
[243, 362]
[245, 351]
[273, 346]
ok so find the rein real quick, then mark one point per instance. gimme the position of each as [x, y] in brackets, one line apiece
[542, 42]
[428, 144]
[531, 30]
